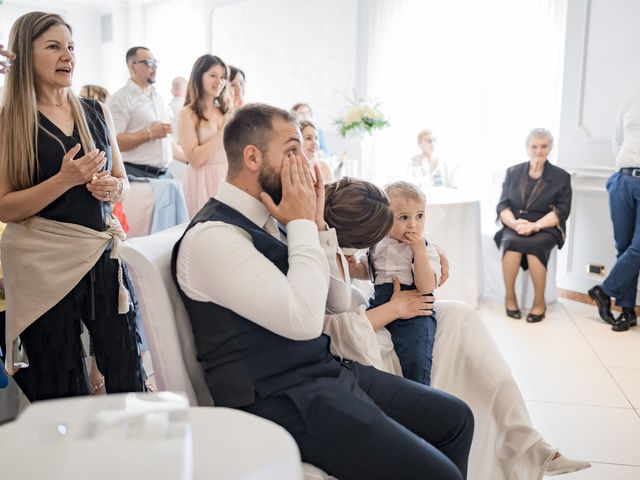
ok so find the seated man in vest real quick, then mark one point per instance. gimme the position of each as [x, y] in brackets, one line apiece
[256, 292]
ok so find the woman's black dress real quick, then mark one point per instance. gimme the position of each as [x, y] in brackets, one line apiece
[53, 345]
[532, 199]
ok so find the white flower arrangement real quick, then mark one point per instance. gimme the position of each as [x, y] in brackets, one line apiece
[361, 116]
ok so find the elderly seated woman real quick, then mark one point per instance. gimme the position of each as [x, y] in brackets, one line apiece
[466, 361]
[533, 209]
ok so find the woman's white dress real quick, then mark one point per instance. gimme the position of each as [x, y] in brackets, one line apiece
[467, 364]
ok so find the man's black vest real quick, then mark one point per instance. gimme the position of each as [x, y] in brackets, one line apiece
[239, 357]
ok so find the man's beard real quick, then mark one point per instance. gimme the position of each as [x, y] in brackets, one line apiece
[270, 182]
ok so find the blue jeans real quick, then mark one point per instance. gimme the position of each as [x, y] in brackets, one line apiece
[624, 202]
[413, 339]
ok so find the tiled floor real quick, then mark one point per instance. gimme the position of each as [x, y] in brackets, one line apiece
[581, 382]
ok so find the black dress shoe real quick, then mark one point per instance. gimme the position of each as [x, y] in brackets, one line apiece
[621, 324]
[517, 314]
[603, 301]
[625, 320]
[536, 317]
[629, 315]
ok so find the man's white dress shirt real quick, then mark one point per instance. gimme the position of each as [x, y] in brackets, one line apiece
[218, 263]
[626, 139]
[133, 110]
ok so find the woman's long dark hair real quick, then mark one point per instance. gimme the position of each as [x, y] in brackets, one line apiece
[195, 94]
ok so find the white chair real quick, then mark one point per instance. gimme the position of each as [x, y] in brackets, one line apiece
[166, 322]
[164, 317]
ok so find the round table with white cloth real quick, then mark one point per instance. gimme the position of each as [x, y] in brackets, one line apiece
[453, 223]
[138, 436]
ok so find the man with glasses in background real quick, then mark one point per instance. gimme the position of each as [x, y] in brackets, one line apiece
[142, 120]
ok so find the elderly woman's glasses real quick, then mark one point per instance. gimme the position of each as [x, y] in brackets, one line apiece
[149, 62]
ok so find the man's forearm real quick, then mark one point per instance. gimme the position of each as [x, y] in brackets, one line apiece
[130, 140]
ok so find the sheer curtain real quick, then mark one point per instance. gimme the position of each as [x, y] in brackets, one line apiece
[481, 75]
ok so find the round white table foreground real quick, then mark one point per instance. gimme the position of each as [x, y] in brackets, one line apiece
[137, 436]
[453, 223]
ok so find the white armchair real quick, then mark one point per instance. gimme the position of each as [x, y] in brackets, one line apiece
[167, 324]
[164, 317]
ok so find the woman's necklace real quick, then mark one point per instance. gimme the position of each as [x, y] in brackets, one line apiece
[58, 105]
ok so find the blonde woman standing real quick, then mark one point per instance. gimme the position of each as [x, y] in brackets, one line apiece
[60, 171]
[207, 108]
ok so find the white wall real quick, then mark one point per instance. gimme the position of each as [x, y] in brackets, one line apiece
[82, 17]
[292, 51]
[601, 70]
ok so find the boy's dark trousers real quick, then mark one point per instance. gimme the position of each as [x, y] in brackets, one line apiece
[413, 339]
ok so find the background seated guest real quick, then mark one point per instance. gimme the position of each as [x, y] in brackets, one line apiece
[301, 112]
[202, 119]
[624, 204]
[237, 80]
[268, 356]
[59, 248]
[533, 208]
[426, 168]
[142, 120]
[466, 361]
[311, 149]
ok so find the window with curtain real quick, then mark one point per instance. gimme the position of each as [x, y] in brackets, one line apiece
[480, 75]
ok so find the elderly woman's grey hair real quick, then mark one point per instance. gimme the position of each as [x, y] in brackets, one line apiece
[539, 132]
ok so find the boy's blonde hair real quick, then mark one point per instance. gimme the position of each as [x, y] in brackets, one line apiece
[405, 190]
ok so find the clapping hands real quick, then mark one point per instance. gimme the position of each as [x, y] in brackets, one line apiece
[5, 65]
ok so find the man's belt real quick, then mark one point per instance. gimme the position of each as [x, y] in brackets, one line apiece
[148, 168]
[634, 172]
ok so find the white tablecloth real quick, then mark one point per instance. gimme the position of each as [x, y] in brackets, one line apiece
[453, 223]
[139, 206]
[227, 444]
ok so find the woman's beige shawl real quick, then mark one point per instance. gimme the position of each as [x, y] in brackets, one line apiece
[43, 261]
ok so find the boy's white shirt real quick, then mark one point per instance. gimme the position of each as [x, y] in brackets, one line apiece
[393, 258]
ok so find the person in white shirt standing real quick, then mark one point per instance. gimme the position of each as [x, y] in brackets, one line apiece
[254, 278]
[624, 203]
[142, 119]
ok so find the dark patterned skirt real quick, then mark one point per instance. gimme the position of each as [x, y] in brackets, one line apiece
[539, 244]
[54, 348]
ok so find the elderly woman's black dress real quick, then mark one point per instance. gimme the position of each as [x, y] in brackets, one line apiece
[531, 199]
[56, 355]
